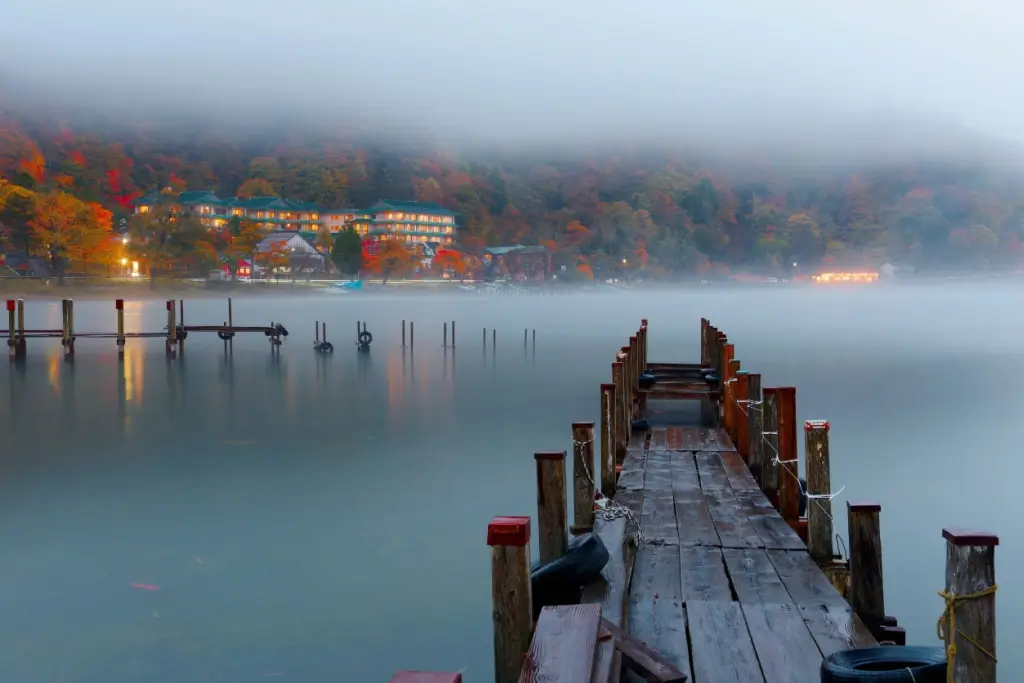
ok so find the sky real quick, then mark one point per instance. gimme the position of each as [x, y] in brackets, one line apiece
[559, 69]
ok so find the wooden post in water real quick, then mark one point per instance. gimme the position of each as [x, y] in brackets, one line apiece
[770, 432]
[552, 518]
[607, 431]
[11, 342]
[403, 334]
[181, 321]
[494, 340]
[444, 340]
[731, 409]
[867, 595]
[453, 335]
[172, 329]
[621, 429]
[22, 349]
[968, 624]
[819, 487]
[644, 358]
[511, 599]
[119, 307]
[741, 389]
[582, 477]
[789, 478]
[755, 438]
[426, 677]
[634, 363]
[705, 355]
[69, 328]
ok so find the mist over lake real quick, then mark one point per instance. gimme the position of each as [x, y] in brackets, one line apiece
[303, 517]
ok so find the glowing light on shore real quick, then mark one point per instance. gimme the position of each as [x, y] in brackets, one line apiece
[858, 276]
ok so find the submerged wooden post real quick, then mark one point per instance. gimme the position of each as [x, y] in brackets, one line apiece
[172, 328]
[119, 307]
[22, 348]
[607, 449]
[511, 599]
[11, 342]
[621, 430]
[453, 334]
[582, 477]
[968, 625]
[819, 488]
[789, 477]
[755, 446]
[444, 338]
[181, 321]
[412, 334]
[740, 391]
[552, 520]
[867, 595]
[770, 432]
[69, 328]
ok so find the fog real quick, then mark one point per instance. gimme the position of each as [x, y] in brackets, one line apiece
[918, 73]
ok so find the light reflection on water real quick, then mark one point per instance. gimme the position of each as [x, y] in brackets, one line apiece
[322, 516]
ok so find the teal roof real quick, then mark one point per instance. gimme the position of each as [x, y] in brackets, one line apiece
[200, 197]
[412, 207]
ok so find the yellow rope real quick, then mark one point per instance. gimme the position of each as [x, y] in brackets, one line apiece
[947, 626]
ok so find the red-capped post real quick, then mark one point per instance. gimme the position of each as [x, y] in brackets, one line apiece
[819, 487]
[426, 677]
[511, 598]
[968, 624]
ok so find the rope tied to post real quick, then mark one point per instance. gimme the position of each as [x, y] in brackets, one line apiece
[946, 625]
[606, 508]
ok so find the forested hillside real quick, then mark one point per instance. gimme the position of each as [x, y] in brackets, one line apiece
[661, 212]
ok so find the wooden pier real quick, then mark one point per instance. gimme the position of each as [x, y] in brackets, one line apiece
[713, 574]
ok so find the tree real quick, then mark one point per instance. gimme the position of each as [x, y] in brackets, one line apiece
[347, 252]
[324, 243]
[238, 240]
[393, 259]
[274, 259]
[17, 209]
[448, 259]
[167, 241]
[256, 187]
[70, 230]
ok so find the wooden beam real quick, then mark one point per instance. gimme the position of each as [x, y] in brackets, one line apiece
[641, 659]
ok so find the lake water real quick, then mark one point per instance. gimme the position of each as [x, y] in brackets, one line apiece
[320, 519]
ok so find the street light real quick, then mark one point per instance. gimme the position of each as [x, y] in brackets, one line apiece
[124, 263]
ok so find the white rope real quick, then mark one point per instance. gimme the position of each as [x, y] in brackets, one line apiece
[606, 508]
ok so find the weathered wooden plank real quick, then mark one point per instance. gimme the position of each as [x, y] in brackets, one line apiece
[783, 644]
[658, 472]
[658, 517]
[674, 438]
[611, 592]
[659, 439]
[722, 649]
[720, 439]
[693, 521]
[711, 470]
[655, 613]
[637, 441]
[754, 578]
[632, 500]
[734, 531]
[645, 661]
[768, 523]
[631, 478]
[806, 583]
[685, 480]
[835, 628]
[740, 478]
[702, 575]
[563, 645]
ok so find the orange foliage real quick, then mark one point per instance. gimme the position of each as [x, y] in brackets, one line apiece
[391, 258]
[449, 259]
[585, 270]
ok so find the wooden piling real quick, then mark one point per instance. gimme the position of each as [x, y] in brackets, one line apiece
[741, 388]
[731, 409]
[789, 478]
[119, 307]
[621, 431]
[181, 321]
[494, 340]
[633, 375]
[755, 444]
[582, 477]
[552, 520]
[68, 336]
[444, 339]
[867, 595]
[511, 599]
[819, 483]
[533, 341]
[426, 677]
[968, 624]
[704, 346]
[607, 449]
[11, 341]
[485, 339]
[727, 351]
[22, 348]
[412, 334]
[172, 328]
[770, 432]
[453, 334]
[403, 334]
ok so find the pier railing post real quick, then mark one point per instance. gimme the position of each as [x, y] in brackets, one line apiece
[755, 438]
[634, 376]
[511, 599]
[789, 477]
[968, 624]
[770, 433]
[732, 413]
[867, 594]
[704, 347]
[643, 346]
[552, 520]
[741, 388]
[583, 477]
[607, 431]
[725, 355]
[622, 428]
[819, 488]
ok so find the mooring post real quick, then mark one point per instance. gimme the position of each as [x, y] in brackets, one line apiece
[453, 334]
[119, 307]
[731, 409]
[704, 347]
[789, 478]
[741, 389]
[69, 348]
[412, 335]
[525, 331]
[643, 346]
[11, 341]
[583, 477]
[755, 428]
[634, 376]
[172, 328]
[770, 443]
[324, 327]
[22, 349]
[403, 334]
[533, 342]
[64, 325]
[494, 340]
[181, 322]
[968, 624]
[444, 341]
[819, 488]
[621, 426]
[511, 599]
[426, 677]
[552, 517]
[867, 595]
[607, 458]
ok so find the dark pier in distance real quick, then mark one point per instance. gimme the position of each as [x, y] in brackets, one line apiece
[714, 574]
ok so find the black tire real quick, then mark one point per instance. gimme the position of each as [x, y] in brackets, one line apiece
[365, 338]
[886, 664]
[281, 330]
[226, 336]
[328, 347]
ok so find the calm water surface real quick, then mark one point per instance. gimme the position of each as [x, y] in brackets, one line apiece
[319, 519]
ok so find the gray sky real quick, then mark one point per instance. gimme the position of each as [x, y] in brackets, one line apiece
[533, 68]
